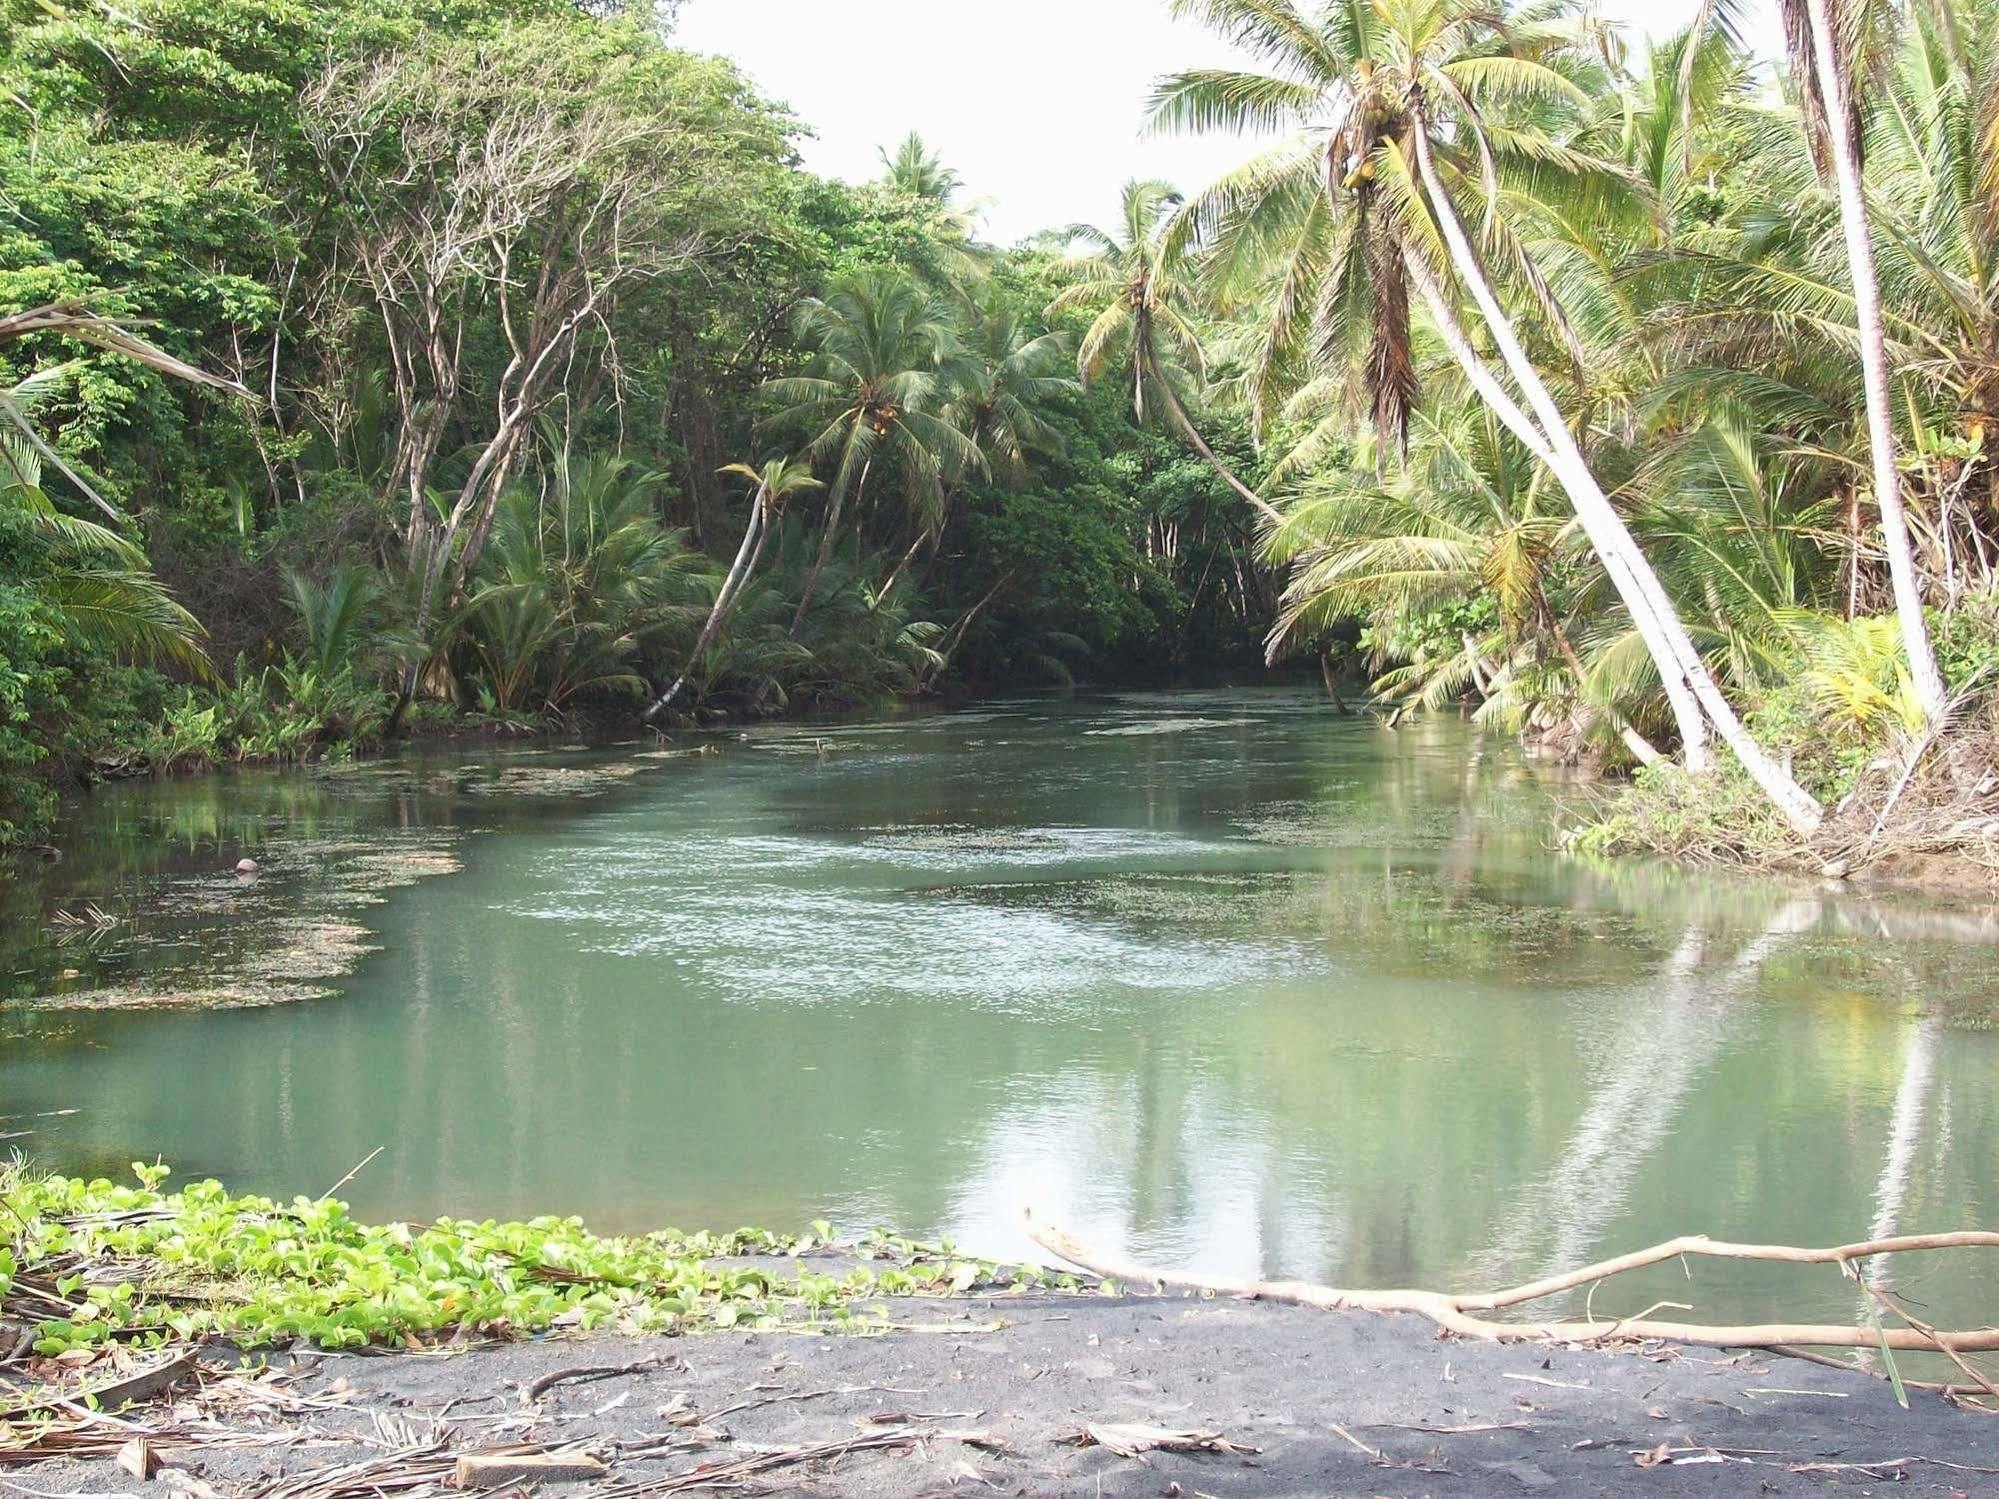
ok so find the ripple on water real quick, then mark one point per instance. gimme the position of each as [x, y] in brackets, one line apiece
[928, 848]
[1152, 726]
[1020, 945]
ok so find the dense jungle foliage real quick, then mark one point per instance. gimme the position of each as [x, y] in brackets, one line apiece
[522, 306]
[1634, 395]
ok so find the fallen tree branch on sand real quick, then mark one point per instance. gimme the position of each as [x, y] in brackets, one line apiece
[1460, 1313]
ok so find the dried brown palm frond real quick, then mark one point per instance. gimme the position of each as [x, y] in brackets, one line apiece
[74, 319]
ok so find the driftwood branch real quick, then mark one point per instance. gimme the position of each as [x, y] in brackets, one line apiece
[1459, 1313]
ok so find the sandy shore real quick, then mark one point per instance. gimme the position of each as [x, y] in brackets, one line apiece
[972, 1396]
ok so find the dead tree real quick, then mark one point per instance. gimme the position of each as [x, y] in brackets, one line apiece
[482, 194]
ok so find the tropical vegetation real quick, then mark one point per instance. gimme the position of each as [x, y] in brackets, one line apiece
[495, 363]
[407, 366]
[1624, 392]
[92, 1263]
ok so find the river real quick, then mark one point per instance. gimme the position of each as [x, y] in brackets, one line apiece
[1228, 980]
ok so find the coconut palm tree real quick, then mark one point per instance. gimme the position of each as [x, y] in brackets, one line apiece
[74, 319]
[1822, 38]
[920, 172]
[1469, 516]
[913, 170]
[777, 481]
[1397, 108]
[887, 359]
[1010, 377]
[1006, 381]
[1133, 281]
[97, 581]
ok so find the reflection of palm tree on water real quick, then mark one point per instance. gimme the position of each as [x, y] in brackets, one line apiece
[1905, 1132]
[1675, 1030]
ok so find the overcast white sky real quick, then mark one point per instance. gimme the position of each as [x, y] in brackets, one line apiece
[1036, 103]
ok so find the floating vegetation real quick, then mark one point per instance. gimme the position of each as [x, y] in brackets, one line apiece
[1226, 902]
[961, 838]
[1275, 905]
[1163, 726]
[306, 954]
[268, 917]
[279, 937]
[389, 869]
[1336, 824]
[806, 748]
[554, 780]
[504, 777]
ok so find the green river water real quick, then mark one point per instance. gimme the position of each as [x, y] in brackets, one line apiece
[1226, 980]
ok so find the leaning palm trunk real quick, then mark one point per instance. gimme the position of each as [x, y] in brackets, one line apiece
[956, 636]
[1644, 598]
[725, 601]
[1686, 709]
[826, 549]
[1843, 149]
[903, 566]
[1199, 445]
[73, 318]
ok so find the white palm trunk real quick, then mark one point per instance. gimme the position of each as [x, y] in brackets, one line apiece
[1679, 696]
[725, 600]
[1874, 362]
[1646, 600]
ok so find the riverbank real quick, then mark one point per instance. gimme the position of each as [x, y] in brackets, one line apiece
[1901, 812]
[1044, 1395]
[242, 1347]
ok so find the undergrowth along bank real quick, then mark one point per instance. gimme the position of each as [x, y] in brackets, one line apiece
[86, 1264]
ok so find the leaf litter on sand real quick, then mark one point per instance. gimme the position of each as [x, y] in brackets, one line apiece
[201, 1406]
[1134, 1440]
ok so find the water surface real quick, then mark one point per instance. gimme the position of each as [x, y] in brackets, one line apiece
[1227, 980]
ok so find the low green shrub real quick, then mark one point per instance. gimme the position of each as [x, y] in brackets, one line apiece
[140, 1264]
[1722, 816]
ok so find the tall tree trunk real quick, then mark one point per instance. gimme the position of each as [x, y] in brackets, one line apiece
[907, 558]
[944, 519]
[725, 600]
[1332, 682]
[1687, 713]
[826, 543]
[1194, 440]
[956, 637]
[701, 441]
[1608, 534]
[1834, 87]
